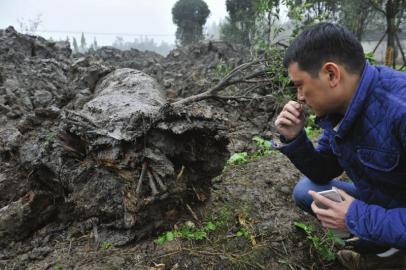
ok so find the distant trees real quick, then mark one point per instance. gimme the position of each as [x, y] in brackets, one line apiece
[240, 23]
[143, 44]
[83, 45]
[190, 17]
[394, 14]
[75, 45]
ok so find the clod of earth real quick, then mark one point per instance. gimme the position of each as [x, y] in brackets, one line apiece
[126, 162]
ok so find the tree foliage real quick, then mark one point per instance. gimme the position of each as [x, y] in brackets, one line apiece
[83, 45]
[75, 45]
[190, 17]
[240, 24]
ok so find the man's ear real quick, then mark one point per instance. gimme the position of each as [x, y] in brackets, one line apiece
[332, 72]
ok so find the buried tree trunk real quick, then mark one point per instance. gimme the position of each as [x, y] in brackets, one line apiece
[127, 162]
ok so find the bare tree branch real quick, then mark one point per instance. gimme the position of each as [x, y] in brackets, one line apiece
[377, 7]
[379, 42]
[401, 50]
[223, 83]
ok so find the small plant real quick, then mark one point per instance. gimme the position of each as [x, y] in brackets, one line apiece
[187, 232]
[106, 245]
[238, 158]
[246, 229]
[370, 57]
[264, 147]
[313, 131]
[323, 246]
[221, 70]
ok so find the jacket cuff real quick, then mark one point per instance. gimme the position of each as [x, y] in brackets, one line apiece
[355, 211]
[291, 146]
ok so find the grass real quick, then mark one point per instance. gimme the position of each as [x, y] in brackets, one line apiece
[324, 246]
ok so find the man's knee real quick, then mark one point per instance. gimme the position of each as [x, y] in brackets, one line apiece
[301, 195]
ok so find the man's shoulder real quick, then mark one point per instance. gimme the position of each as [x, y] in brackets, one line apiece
[390, 88]
[390, 77]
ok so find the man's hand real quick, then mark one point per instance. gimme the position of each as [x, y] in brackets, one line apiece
[291, 120]
[334, 216]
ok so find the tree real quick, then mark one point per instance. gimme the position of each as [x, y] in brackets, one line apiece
[190, 17]
[95, 45]
[240, 24]
[267, 15]
[75, 45]
[356, 16]
[83, 45]
[393, 11]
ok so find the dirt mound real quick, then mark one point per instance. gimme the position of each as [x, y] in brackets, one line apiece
[95, 163]
[91, 143]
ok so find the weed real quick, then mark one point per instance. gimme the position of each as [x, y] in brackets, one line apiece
[106, 245]
[324, 246]
[313, 131]
[221, 70]
[370, 57]
[187, 232]
[263, 148]
[238, 158]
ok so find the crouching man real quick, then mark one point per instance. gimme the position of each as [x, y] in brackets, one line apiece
[362, 110]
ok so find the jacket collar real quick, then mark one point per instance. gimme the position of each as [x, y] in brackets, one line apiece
[368, 78]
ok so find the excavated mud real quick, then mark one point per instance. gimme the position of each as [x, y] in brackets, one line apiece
[96, 163]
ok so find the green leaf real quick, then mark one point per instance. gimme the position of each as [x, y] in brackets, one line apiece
[238, 158]
[161, 240]
[170, 236]
[211, 226]
[200, 235]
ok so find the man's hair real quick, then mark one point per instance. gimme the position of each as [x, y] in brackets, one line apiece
[325, 42]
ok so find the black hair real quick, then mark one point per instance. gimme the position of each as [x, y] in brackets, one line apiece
[325, 42]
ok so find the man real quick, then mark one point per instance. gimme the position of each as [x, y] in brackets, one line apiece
[362, 110]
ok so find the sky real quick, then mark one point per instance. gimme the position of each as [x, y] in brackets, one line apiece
[101, 19]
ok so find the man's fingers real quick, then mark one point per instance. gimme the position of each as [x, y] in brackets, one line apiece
[281, 121]
[290, 116]
[343, 194]
[329, 225]
[327, 202]
[295, 104]
[321, 211]
[293, 109]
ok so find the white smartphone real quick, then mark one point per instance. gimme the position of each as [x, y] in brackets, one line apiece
[331, 194]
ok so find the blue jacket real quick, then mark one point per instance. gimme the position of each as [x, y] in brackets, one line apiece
[369, 144]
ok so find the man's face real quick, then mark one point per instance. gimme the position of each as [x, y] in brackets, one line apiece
[314, 92]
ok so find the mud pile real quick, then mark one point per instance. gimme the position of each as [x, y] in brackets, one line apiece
[86, 145]
[193, 69]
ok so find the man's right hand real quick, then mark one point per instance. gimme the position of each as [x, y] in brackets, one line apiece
[291, 120]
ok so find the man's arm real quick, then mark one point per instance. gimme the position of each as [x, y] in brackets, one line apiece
[375, 223]
[320, 164]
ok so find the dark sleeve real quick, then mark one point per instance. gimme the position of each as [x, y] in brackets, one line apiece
[320, 164]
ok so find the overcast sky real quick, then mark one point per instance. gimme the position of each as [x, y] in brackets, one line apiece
[103, 19]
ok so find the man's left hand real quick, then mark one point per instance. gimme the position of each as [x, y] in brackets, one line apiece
[334, 216]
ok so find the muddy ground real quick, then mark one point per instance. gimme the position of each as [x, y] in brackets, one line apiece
[246, 221]
[255, 196]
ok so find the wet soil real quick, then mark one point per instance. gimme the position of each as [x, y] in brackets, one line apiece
[253, 198]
